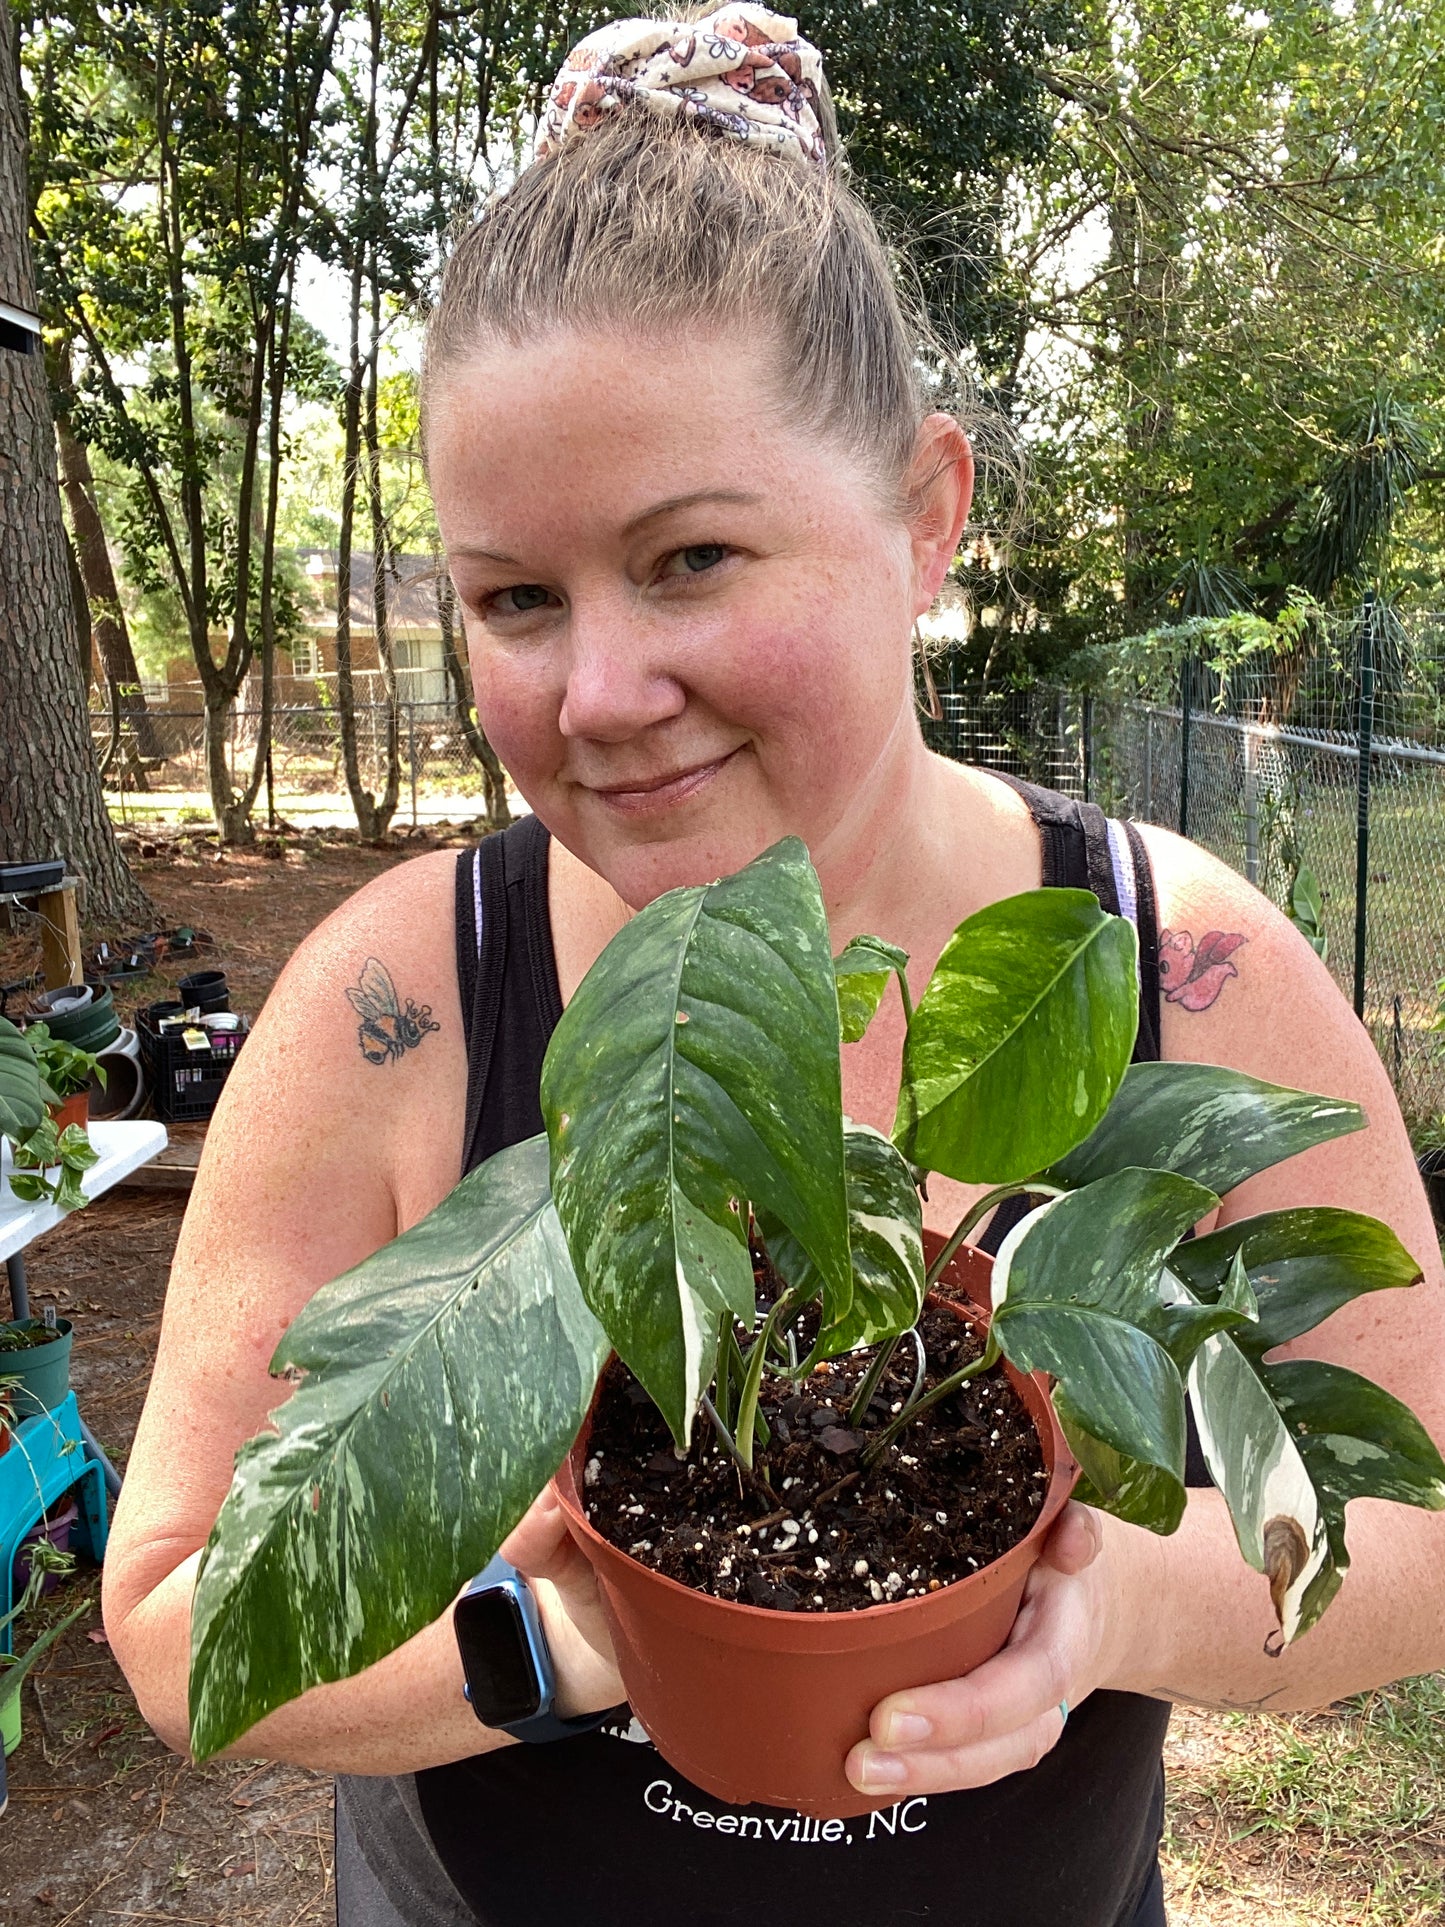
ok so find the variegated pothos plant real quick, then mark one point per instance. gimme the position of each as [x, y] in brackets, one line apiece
[693, 1092]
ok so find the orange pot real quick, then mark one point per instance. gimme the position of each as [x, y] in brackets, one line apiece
[74, 1109]
[756, 1705]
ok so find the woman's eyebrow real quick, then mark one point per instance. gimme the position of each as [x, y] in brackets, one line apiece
[473, 552]
[739, 497]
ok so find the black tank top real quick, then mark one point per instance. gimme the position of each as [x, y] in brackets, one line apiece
[600, 1829]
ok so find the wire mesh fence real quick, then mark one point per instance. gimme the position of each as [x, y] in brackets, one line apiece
[440, 778]
[1335, 765]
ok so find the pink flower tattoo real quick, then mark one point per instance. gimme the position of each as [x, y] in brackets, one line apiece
[1194, 976]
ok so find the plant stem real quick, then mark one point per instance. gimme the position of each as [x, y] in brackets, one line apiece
[990, 1357]
[753, 1379]
[907, 997]
[976, 1214]
[871, 1380]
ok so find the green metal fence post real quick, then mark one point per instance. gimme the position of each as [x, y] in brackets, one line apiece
[1088, 748]
[1186, 692]
[1364, 733]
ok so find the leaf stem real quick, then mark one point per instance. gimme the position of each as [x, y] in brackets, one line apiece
[916, 1407]
[978, 1211]
[871, 1380]
[753, 1378]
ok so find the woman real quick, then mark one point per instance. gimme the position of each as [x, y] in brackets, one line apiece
[693, 506]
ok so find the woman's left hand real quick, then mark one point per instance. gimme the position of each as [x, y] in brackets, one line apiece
[1008, 1713]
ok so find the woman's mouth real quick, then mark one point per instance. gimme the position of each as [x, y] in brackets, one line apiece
[646, 796]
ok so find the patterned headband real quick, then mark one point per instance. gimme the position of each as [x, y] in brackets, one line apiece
[742, 71]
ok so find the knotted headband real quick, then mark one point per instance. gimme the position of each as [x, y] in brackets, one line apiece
[742, 71]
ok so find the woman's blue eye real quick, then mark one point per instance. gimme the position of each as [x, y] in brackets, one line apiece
[705, 555]
[526, 597]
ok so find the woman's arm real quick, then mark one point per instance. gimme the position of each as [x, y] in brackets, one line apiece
[1184, 1617]
[324, 1146]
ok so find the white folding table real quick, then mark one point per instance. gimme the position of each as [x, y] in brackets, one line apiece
[122, 1147]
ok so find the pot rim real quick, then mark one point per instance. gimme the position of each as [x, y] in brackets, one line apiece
[868, 1625]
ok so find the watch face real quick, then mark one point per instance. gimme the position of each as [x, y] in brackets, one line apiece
[497, 1658]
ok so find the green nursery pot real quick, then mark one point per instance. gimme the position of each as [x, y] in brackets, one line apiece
[43, 1370]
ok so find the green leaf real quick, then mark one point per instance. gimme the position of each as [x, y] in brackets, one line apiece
[1303, 1265]
[1021, 1038]
[886, 1232]
[1253, 1458]
[862, 969]
[1214, 1125]
[1182, 1328]
[444, 1379]
[1074, 1288]
[697, 1068]
[22, 1101]
[13, 1671]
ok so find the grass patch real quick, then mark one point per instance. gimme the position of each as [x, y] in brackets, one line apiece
[1333, 1817]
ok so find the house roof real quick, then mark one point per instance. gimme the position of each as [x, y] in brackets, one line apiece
[412, 582]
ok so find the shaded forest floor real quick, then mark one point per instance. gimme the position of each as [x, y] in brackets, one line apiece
[1334, 1820]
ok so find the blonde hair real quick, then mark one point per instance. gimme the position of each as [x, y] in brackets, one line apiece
[646, 225]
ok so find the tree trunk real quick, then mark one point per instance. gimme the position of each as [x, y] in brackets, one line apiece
[380, 558]
[499, 813]
[362, 800]
[51, 802]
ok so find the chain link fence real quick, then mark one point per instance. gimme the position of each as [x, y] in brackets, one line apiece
[441, 780]
[1334, 765]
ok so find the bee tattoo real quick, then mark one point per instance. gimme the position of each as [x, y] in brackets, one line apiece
[387, 1030]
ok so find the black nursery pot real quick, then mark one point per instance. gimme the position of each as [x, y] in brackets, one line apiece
[206, 991]
[1432, 1170]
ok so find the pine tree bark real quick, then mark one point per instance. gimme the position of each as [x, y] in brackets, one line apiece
[51, 803]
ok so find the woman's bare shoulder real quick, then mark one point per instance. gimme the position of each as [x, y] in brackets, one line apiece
[342, 1119]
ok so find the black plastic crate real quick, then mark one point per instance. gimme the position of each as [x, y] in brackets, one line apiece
[186, 1084]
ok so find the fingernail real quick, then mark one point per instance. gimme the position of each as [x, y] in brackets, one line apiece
[880, 1770]
[906, 1729]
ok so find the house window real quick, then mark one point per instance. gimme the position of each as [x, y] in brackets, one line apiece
[305, 657]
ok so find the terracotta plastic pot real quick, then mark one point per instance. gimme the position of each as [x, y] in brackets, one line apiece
[757, 1705]
[74, 1109]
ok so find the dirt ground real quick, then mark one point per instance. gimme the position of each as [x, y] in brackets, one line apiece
[105, 1825]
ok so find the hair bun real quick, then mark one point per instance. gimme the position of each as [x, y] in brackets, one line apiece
[742, 72]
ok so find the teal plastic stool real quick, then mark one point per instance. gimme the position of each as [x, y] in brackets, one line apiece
[48, 1455]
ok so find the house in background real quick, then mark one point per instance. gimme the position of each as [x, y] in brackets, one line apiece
[307, 675]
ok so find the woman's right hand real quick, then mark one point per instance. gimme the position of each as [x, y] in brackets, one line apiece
[565, 1588]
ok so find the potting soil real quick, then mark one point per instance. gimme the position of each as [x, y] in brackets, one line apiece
[957, 1488]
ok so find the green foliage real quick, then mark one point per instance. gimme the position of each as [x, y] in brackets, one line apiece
[66, 1154]
[693, 1086]
[352, 1523]
[22, 1093]
[64, 1067]
[1305, 909]
[1021, 1038]
[660, 1093]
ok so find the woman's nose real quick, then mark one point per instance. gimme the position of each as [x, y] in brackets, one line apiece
[616, 687]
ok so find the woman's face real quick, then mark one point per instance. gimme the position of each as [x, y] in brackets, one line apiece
[688, 621]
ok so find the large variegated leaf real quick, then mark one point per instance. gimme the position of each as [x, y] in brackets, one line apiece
[1302, 1265]
[886, 1230]
[1021, 1038]
[863, 968]
[1357, 1442]
[443, 1380]
[1290, 1444]
[697, 1068]
[22, 1095]
[1074, 1286]
[1214, 1125]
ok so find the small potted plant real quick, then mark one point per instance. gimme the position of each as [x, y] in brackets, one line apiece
[701, 1208]
[66, 1071]
[47, 1565]
[43, 1095]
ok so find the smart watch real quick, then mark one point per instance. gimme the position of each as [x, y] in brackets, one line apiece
[510, 1681]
